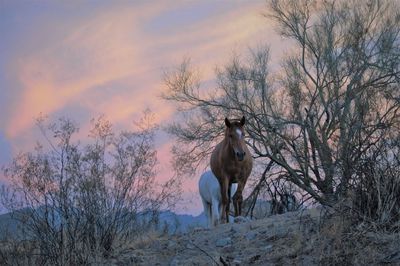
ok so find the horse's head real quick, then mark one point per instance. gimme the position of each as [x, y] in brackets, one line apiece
[234, 134]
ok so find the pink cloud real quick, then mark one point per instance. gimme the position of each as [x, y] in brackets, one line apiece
[105, 60]
[113, 45]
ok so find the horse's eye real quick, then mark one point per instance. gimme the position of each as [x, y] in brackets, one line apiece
[230, 135]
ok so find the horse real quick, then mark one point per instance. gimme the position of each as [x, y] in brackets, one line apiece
[231, 162]
[210, 193]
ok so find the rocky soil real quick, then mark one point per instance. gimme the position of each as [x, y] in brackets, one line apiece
[297, 238]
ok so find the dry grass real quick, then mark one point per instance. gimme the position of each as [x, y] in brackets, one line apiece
[342, 240]
[22, 252]
[310, 238]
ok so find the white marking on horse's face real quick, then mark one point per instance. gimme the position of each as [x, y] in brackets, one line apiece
[239, 133]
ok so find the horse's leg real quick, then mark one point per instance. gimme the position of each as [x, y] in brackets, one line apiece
[207, 212]
[225, 199]
[235, 205]
[215, 205]
[220, 212]
[229, 203]
[238, 199]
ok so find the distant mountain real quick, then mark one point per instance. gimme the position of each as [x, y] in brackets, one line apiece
[180, 223]
[8, 226]
[168, 222]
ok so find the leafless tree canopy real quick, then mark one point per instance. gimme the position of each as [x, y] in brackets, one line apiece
[328, 120]
[78, 203]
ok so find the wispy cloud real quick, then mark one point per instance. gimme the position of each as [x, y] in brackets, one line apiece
[113, 45]
[83, 60]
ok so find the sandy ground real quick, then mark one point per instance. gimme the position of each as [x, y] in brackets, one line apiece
[310, 237]
[297, 238]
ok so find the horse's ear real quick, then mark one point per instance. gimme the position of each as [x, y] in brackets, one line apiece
[242, 121]
[227, 122]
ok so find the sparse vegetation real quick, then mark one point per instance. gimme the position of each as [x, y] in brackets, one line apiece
[310, 237]
[79, 204]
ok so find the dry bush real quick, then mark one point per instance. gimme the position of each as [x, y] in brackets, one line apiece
[342, 240]
[363, 227]
[376, 194]
[80, 203]
[19, 252]
[332, 246]
[334, 236]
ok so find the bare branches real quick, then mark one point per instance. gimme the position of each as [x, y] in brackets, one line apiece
[336, 101]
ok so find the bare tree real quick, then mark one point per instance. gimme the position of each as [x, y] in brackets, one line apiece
[334, 101]
[342, 87]
[79, 203]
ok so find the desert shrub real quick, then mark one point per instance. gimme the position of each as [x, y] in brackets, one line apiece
[79, 203]
[376, 193]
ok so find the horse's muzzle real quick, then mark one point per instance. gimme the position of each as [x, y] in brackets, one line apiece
[240, 155]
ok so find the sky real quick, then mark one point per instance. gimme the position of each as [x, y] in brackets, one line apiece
[82, 59]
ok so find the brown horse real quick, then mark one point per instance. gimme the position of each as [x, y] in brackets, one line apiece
[231, 162]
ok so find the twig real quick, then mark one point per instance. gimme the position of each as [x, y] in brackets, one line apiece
[205, 252]
[223, 261]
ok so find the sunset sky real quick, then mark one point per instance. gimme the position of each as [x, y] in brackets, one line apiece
[81, 59]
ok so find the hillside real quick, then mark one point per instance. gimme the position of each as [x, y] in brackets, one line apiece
[308, 237]
[298, 238]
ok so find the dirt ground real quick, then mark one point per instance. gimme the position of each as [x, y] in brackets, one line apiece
[297, 238]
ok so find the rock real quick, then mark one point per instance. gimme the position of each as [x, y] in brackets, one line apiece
[136, 260]
[174, 262]
[228, 249]
[252, 226]
[199, 229]
[223, 242]
[236, 229]
[236, 262]
[267, 247]
[251, 235]
[157, 245]
[240, 220]
[279, 232]
[171, 244]
[254, 258]
[275, 233]
[190, 246]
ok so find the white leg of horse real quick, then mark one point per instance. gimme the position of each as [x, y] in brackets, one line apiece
[207, 212]
[215, 211]
[233, 191]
